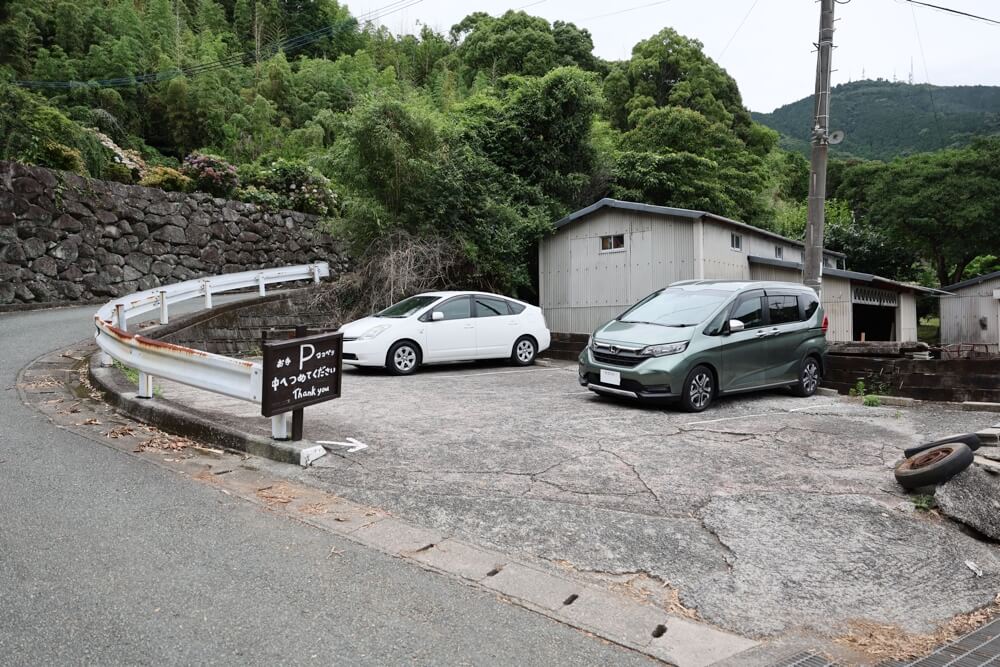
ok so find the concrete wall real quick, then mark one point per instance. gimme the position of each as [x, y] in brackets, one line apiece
[932, 380]
[961, 315]
[67, 238]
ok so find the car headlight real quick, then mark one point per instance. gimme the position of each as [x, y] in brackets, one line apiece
[374, 331]
[663, 350]
[590, 341]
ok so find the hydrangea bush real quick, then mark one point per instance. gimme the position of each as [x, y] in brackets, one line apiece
[211, 173]
[296, 185]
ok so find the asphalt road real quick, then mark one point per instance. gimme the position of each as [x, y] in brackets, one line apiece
[107, 559]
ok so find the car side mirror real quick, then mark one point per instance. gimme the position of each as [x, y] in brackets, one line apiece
[437, 316]
[735, 326]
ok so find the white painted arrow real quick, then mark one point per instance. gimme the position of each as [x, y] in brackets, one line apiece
[351, 444]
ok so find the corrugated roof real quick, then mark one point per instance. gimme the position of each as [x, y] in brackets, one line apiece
[678, 213]
[850, 275]
[973, 281]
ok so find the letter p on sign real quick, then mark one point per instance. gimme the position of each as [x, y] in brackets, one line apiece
[302, 354]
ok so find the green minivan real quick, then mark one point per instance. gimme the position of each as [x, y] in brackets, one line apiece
[699, 339]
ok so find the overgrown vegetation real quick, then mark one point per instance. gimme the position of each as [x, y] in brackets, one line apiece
[473, 141]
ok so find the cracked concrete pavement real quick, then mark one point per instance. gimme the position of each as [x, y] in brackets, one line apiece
[768, 514]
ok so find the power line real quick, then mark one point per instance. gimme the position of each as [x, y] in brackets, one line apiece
[627, 9]
[957, 12]
[927, 78]
[738, 28]
[286, 45]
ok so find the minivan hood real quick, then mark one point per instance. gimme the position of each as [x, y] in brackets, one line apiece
[635, 334]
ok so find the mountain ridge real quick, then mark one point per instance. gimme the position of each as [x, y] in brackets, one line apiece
[886, 119]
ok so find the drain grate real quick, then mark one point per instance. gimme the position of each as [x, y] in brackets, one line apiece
[976, 649]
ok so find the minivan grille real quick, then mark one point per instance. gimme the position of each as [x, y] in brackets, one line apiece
[624, 358]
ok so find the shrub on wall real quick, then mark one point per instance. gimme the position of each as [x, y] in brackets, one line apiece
[298, 186]
[211, 173]
[166, 178]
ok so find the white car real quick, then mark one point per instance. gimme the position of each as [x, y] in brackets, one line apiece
[437, 327]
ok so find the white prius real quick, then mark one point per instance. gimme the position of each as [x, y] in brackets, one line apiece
[437, 327]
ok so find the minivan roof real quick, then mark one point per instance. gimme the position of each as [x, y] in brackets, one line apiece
[740, 285]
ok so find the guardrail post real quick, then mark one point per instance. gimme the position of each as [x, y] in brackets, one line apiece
[145, 385]
[122, 321]
[260, 283]
[281, 426]
[315, 272]
[163, 307]
[207, 287]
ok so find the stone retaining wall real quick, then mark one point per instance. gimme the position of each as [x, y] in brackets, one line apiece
[67, 238]
[235, 329]
[953, 380]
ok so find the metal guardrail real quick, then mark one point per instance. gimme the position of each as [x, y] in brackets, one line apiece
[236, 378]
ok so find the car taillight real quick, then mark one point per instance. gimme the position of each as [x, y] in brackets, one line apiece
[826, 323]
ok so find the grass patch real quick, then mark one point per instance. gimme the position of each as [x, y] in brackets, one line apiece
[923, 502]
[132, 375]
[871, 401]
[929, 330]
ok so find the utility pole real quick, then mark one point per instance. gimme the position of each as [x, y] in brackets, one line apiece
[812, 269]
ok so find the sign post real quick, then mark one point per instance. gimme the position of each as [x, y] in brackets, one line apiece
[299, 372]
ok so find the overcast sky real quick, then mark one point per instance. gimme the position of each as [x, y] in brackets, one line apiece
[770, 56]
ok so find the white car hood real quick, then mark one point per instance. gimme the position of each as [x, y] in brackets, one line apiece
[358, 327]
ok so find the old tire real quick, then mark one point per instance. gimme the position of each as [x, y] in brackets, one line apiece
[934, 466]
[970, 439]
[809, 377]
[698, 389]
[524, 352]
[403, 358]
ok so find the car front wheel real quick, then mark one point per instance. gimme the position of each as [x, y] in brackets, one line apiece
[403, 358]
[698, 390]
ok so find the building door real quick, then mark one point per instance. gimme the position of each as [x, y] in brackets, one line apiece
[874, 313]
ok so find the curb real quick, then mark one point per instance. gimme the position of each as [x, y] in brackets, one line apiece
[184, 422]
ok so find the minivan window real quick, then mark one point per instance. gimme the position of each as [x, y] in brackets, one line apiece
[674, 307]
[750, 312]
[783, 309]
[808, 303]
[407, 307]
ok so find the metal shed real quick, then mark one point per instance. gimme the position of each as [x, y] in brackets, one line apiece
[972, 313]
[607, 256]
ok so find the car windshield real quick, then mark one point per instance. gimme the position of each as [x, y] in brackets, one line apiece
[674, 307]
[407, 307]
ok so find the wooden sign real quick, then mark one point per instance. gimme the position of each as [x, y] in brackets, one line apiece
[299, 372]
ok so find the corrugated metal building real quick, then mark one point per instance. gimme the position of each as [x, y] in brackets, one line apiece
[607, 256]
[972, 315]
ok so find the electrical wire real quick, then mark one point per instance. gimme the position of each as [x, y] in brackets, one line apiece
[738, 28]
[627, 9]
[957, 12]
[288, 45]
[927, 78]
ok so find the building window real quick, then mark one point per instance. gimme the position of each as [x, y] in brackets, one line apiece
[613, 243]
[778, 251]
[802, 256]
[840, 263]
[736, 242]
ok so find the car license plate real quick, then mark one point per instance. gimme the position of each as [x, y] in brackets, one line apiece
[611, 377]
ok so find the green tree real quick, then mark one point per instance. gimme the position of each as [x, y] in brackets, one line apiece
[943, 206]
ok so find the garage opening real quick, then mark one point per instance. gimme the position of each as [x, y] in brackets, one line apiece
[874, 313]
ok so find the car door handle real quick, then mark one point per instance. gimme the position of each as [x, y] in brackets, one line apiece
[469, 326]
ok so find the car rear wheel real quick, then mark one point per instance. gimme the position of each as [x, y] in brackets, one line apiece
[698, 389]
[524, 351]
[403, 358]
[809, 377]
